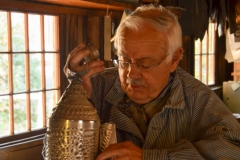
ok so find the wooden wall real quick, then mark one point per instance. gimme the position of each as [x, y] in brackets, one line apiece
[30, 149]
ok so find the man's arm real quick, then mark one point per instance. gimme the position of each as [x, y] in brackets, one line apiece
[127, 150]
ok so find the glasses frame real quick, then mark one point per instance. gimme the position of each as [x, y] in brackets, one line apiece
[116, 63]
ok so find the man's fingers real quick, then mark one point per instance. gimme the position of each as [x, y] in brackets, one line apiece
[112, 153]
[124, 150]
[77, 49]
[77, 55]
[94, 67]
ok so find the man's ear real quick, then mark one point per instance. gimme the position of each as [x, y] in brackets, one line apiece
[177, 55]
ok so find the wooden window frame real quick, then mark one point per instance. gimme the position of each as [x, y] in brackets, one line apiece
[12, 137]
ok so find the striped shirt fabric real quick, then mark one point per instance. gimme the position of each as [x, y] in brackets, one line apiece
[193, 124]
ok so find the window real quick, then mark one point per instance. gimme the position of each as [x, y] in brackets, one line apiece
[205, 57]
[29, 70]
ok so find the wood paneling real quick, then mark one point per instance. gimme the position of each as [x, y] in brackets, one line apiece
[187, 62]
[24, 151]
[93, 34]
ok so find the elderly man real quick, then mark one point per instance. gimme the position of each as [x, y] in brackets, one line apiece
[160, 111]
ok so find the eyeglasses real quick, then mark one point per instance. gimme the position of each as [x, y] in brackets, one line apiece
[142, 66]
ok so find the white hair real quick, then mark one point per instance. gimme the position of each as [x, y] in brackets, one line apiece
[160, 19]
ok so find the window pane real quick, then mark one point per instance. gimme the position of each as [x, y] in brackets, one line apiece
[197, 46]
[3, 31]
[35, 71]
[211, 71]
[49, 33]
[18, 72]
[51, 102]
[36, 110]
[204, 69]
[50, 70]
[4, 116]
[19, 113]
[34, 32]
[211, 38]
[3, 73]
[205, 44]
[197, 67]
[17, 31]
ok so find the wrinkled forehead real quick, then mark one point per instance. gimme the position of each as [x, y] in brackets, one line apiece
[125, 42]
[145, 39]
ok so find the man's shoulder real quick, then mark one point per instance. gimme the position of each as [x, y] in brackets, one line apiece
[110, 71]
[109, 74]
[191, 83]
[194, 91]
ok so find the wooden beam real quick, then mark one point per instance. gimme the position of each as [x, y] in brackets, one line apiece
[91, 4]
[35, 7]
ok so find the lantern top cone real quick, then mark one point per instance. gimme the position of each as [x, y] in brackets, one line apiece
[74, 105]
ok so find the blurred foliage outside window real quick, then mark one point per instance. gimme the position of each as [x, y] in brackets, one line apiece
[18, 51]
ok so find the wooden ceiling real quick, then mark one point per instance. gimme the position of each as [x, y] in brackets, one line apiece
[92, 4]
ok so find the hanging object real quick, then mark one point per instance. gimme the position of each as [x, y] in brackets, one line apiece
[107, 36]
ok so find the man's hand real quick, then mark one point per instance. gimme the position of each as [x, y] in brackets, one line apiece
[121, 151]
[94, 67]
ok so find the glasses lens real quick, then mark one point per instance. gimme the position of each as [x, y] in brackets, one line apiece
[115, 63]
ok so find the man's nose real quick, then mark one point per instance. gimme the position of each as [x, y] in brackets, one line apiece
[133, 71]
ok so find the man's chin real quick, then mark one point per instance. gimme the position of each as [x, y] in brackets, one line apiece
[139, 99]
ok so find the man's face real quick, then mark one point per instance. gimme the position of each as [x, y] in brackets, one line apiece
[145, 46]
